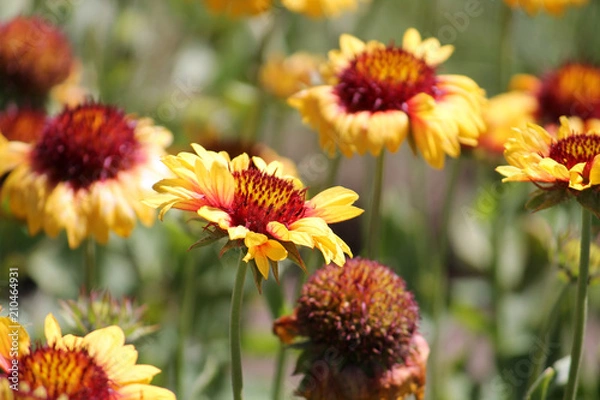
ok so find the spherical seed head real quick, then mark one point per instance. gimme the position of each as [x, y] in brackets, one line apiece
[363, 310]
[53, 373]
[85, 144]
[34, 56]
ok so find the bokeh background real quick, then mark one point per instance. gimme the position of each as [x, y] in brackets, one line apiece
[196, 73]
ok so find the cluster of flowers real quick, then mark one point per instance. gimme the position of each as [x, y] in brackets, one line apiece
[86, 169]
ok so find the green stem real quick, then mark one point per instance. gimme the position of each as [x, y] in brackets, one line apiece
[186, 320]
[505, 61]
[580, 305]
[234, 330]
[90, 264]
[279, 372]
[541, 353]
[375, 209]
[440, 279]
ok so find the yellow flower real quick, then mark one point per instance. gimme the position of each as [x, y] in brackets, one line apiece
[98, 366]
[285, 76]
[567, 160]
[34, 56]
[254, 204]
[321, 8]
[555, 7]
[86, 174]
[503, 113]
[377, 96]
[237, 8]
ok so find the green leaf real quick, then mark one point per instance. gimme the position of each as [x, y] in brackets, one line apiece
[294, 254]
[258, 278]
[542, 199]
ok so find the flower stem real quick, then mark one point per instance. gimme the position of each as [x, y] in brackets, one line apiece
[580, 305]
[541, 354]
[90, 264]
[439, 278]
[375, 209]
[234, 330]
[279, 371]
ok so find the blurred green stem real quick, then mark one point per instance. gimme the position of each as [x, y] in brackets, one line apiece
[234, 329]
[440, 279]
[580, 305]
[90, 264]
[279, 372]
[541, 353]
[505, 61]
[375, 209]
[186, 320]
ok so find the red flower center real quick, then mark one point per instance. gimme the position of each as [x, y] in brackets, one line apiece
[71, 374]
[261, 198]
[573, 90]
[22, 124]
[86, 144]
[383, 79]
[576, 149]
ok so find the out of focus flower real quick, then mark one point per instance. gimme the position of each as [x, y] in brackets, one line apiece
[377, 96]
[70, 92]
[285, 76]
[561, 165]
[255, 206]
[99, 310]
[34, 56]
[98, 366]
[568, 260]
[239, 8]
[86, 174]
[322, 8]
[22, 124]
[555, 7]
[362, 323]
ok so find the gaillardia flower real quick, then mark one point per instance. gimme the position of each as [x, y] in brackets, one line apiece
[256, 206]
[321, 8]
[22, 124]
[98, 366]
[361, 320]
[377, 96]
[565, 164]
[284, 76]
[34, 56]
[86, 174]
[238, 8]
[555, 7]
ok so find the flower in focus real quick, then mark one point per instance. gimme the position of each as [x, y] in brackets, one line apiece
[34, 56]
[567, 163]
[237, 8]
[86, 174]
[256, 206]
[99, 309]
[362, 319]
[379, 95]
[321, 8]
[236, 147]
[285, 76]
[98, 366]
[555, 7]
